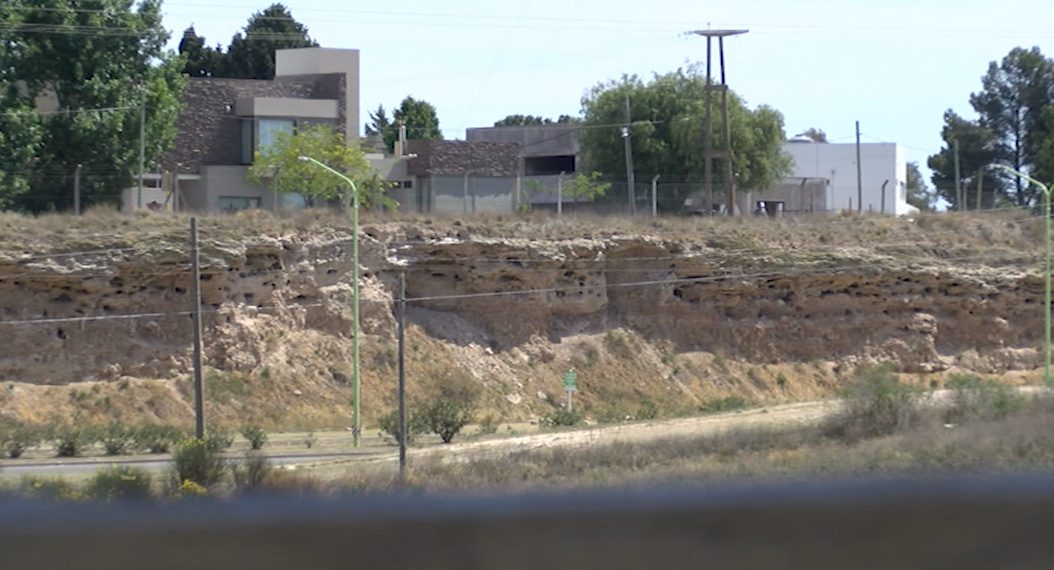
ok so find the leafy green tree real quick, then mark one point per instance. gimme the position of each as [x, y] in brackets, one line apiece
[586, 187]
[1010, 104]
[977, 151]
[200, 60]
[420, 119]
[531, 120]
[919, 194]
[379, 122]
[279, 167]
[667, 131]
[817, 135]
[252, 55]
[99, 79]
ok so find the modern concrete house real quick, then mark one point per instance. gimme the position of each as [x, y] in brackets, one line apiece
[224, 121]
[547, 150]
[457, 177]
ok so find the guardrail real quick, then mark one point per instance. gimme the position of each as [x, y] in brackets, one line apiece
[994, 522]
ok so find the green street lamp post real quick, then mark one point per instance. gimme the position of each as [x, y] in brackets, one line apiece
[1046, 273]
[355, 380]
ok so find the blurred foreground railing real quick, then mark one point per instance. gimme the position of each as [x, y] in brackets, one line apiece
[999, 522]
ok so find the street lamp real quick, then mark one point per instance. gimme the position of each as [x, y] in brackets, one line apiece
[1046, 274]
[355, 381]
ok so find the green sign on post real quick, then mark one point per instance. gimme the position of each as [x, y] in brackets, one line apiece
[570, 386]
[571, 381]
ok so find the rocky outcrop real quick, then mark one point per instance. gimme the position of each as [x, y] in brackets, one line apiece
[511, 311]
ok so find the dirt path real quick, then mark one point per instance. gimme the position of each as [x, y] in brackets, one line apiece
[771, 416]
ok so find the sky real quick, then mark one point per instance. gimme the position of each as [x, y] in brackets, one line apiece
[895, 65]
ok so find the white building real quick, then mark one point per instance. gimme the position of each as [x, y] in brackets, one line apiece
[883, 175]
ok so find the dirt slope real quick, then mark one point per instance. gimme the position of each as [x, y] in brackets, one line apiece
[668, 314]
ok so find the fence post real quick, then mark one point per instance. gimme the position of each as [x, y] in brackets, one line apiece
[195, 297]
[560, 195]
[654, 196]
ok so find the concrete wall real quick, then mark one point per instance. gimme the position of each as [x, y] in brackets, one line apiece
[837, 162]
[303, 61]
[220, 181]
[458, 195]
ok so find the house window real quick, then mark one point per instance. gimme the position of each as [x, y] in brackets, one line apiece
[406, 184]
[268, 129]
[236, 203]
[259, 134]
[247, 140]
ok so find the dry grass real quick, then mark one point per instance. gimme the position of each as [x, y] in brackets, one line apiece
[1021, 442]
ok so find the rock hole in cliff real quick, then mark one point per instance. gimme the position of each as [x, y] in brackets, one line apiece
[331, 271]
[61, 333]
[179, 290]
[439, 275]
[569, 274]
[678, 293]
[249, 297]
[206, 277]
[63, 298]
[107, 309]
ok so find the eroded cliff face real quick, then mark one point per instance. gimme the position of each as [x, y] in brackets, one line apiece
[674, 315]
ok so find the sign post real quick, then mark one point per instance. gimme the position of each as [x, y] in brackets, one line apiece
[570, 386]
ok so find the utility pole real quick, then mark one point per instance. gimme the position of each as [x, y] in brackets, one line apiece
[77, 191]
[654, 196]
[630, 182]
[142, 152]
[402, 378]
[195, 297]
[859, 174]
[725, 152]
[958, 181]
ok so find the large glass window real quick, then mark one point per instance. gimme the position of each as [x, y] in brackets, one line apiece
[268, 129]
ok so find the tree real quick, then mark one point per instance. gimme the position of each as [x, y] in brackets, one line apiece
[586, 187]
[379, 122]
[531, 120]
[919, 194]
[419, 116]
[1011, 129]
[99, 80]
[200, 60]
[252, 55]
[280, 168]
[817, 135]
[667, 132]
[977, 151]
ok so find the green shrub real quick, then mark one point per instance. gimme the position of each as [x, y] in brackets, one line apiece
[310, 440]
[647, 410]
[252, 471]
[156, 438]
[561, 418]
[117, 438]
[18, 438]
[196, 461]
[119, 483]
[875, 404]
[976, 398]
[255, 435]
[446, 417]
[49, 488]
[218, 439]
[726, 404]
[389, 426]
[489, 424]
[71, 439]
